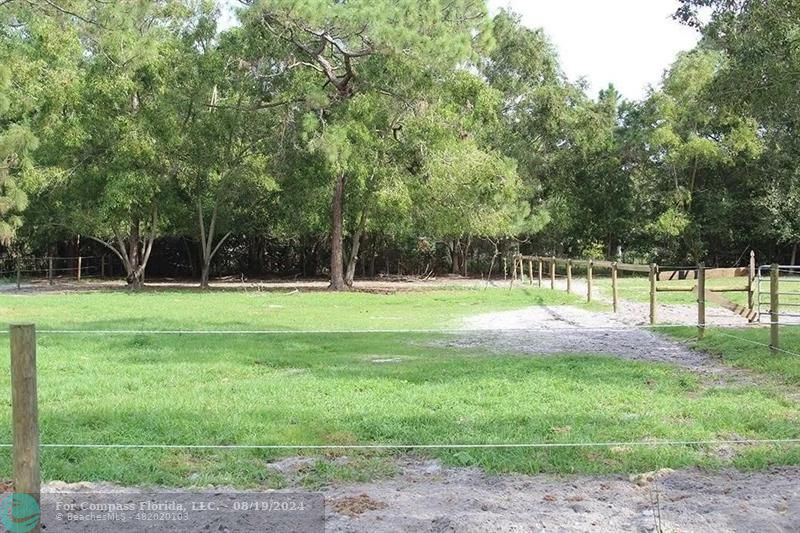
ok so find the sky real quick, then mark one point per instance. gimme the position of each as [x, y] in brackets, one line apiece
[625, 42]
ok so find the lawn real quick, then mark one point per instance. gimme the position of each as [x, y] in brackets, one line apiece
[749, 348]
[636, 288]
[353, 388]
[232, 310]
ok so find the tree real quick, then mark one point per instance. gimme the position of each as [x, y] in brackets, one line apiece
[223, 147]
[694, 148]
[367, 47]
[115, 147]
[15, 142]
[759, 78]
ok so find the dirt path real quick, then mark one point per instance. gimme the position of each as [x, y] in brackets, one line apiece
[544, 330]
[426, 497]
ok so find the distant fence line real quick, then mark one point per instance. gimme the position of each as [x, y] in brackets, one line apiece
[77, 267]
[664, 274]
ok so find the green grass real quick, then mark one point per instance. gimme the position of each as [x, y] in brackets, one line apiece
[228, 310]
[745, 348]
[637, 289]
[349, 388]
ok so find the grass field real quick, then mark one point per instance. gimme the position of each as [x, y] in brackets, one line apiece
[637, 289]
[348, 388]
[232, 310]
[748, 348]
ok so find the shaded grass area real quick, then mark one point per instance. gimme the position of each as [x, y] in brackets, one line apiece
[371, 388]
[165, 310]
[749, 348]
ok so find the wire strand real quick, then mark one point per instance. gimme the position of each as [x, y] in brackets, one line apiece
[445, 331]
[763, 344]
[608, 444]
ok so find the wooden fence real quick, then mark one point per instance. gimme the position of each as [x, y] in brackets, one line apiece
[26, 268]
[659, 282]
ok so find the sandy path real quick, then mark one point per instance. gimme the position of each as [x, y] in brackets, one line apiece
[547, 330]
[426, 497]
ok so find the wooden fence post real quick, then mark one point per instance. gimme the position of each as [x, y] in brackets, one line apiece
[18, 276]
[614, 291]
[25, 412]
[521, 263]
[505, 268]
[589, 281]
[530, 270]
[80, 267]
[50, 270]
[569, 275]
[774, 307]
[653, 301]
[103, 266]
[540, 271]
[553, 272]
[701, 300]
[751, 279]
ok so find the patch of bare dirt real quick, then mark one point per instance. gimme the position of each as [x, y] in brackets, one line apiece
[353, 506]
[428, 497]
[550, 330]
[435, 499]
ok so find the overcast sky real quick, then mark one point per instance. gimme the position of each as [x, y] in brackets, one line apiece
[625, 42]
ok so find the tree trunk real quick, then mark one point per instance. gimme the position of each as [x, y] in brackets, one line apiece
[134, 254]
[204, 275]
[337, 236]
[207, 241]
[352, 261]
[794, 253]
[465, 257]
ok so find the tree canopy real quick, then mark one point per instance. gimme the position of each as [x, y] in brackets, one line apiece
[315, 137]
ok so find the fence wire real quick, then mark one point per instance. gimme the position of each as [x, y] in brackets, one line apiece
[532, 445]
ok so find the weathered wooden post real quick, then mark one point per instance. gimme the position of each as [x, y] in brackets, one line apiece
[514, 268]
[540, 271]
[78, 271]
[103, 266]
[505, 268]
[553, 272]
[50, 270]
[589, 268]
[25, 412]
[569, 275]
[614, 292]
[701, 301]
[19, 284]
[774, 307]
[530, 271]
[653, 302]
[751, 280]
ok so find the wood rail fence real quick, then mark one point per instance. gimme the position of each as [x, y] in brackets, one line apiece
[658, 276]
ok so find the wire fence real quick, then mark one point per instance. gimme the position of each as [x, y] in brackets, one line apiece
[26, 269]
